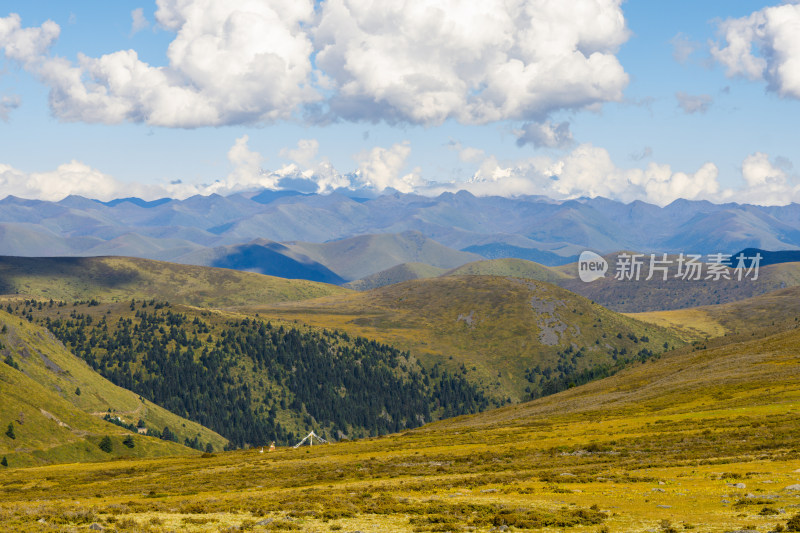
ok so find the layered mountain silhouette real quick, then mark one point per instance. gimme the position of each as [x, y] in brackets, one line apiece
[338, 238]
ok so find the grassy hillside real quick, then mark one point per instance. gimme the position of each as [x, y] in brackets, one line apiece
[123, 278]
[361, 256]
[699, 440]
[56, 404]
[511, 336]
[518, 268]
[658, 295]
[766, 313]
[758, 374]
[396, 274]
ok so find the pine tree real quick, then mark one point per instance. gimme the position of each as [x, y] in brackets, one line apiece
[4, 461]
[78, 391]
[128, 441]
[105, 444]
[10, 431]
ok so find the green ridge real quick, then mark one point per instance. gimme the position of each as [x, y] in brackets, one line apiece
[123, 278]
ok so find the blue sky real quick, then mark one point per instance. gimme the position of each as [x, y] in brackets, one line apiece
[675, 109]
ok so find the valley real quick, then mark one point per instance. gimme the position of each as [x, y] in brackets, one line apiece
[483, 397]
[696, 440]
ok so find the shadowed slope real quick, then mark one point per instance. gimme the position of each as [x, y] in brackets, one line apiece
[124, 278]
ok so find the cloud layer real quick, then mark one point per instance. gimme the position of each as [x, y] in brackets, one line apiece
[589, 171]
[75, 178]
[414, 61]
[585, 171]
[763, 46]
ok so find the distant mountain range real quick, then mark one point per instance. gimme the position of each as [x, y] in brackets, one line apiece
[336, 238]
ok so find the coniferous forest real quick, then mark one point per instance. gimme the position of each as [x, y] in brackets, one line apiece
[251, 380]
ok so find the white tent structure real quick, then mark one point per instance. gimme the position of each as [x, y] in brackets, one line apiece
[310, 438]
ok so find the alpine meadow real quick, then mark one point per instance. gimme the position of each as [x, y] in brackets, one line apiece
[422, 266]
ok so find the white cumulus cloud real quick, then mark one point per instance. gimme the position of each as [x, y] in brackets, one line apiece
[589, 171]
[304, 153]
[246, 165]
[424, 61]
[72, 178]
[230, 63]
[26, 45]
[768, 182]
[758, 170]
[415, 61]
[381, 168]
[306, 173]
[764, 45]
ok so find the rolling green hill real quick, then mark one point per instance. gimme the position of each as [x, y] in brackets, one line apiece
[758, 374]
[396, 274]
[513, 337]
[56, 404]
[123, 278]
[518, 268]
